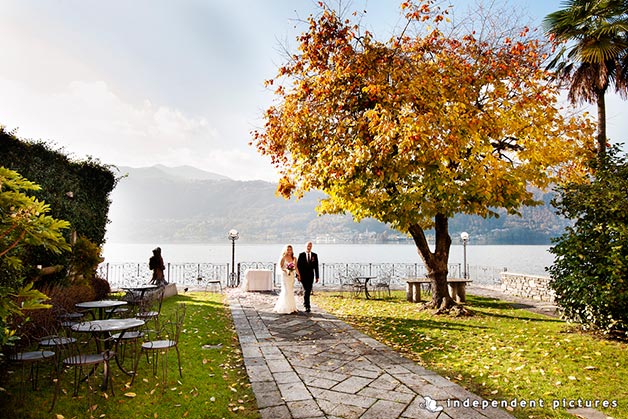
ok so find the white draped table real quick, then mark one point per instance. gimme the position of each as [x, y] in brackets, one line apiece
[258, 280]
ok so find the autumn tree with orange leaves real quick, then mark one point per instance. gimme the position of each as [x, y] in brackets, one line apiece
[419, 128]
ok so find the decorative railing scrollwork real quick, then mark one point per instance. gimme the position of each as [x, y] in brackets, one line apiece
[331, 274]
[130, 274]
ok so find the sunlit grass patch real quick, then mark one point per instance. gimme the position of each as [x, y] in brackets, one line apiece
[214, 383]
[499, 352]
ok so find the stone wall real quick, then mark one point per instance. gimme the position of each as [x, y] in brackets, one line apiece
[527, 286]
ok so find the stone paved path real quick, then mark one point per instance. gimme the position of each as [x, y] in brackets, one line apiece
[315, 366]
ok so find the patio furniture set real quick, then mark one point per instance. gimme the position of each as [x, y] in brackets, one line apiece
[359, 284]
[131, 323]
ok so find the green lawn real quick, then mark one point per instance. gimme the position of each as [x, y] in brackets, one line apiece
[500, 352]
[214, 383]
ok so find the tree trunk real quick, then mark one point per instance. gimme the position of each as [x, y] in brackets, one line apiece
[436, 262]
[47, 270]
[601, 125]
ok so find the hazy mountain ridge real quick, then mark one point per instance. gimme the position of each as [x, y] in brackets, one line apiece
[159, 204]
[174, 173]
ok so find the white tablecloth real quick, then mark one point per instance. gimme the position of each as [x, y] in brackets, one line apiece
[258, 280]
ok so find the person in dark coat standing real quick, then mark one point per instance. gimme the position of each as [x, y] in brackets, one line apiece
[307, 266]
[156, 264]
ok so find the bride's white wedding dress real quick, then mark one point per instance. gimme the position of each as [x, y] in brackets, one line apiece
[286, 303]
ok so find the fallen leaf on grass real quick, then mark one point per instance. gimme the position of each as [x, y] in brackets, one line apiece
[130, 394]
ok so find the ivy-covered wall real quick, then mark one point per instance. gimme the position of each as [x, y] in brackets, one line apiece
[77, 191]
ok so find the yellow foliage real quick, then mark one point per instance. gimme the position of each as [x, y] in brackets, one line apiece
[418, 126]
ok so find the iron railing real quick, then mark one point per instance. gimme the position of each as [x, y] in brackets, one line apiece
[331, 274]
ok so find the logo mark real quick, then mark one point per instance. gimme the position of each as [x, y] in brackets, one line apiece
[431, 405]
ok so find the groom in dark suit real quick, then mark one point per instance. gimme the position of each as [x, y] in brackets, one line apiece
[307, 264]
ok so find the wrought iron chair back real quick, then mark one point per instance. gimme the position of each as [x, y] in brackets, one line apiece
[84, 357]
[27, 354]
[385, 276]
[164, 339]
[150, 306]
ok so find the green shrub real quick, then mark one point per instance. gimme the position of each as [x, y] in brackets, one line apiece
[590, 272]
[15, 306]
[86, 256]
[101, 288]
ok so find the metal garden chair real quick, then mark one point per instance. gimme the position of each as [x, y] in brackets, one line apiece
[166, 339]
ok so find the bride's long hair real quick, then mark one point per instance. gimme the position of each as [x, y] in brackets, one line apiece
[284, 253]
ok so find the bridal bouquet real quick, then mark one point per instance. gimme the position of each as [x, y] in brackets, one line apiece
[290, 266]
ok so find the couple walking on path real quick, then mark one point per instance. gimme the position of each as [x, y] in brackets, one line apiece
[305, 269]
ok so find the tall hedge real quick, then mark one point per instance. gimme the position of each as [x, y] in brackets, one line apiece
[77, 191]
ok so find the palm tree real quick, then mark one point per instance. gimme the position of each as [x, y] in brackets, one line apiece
[594, 53]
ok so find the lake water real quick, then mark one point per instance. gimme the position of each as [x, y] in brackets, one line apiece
[520, 259]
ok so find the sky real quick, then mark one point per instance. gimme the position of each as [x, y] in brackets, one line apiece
[145, 82]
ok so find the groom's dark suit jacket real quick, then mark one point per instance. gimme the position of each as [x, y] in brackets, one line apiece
[308, 271]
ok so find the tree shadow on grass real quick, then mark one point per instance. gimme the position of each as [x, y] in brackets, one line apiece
[415, 338]
[522, 310]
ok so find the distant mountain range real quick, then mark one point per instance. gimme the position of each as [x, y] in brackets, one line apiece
[179, 173]
[160, 204]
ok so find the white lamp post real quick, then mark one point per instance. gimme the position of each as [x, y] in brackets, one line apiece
[233, 236]
[465, 238]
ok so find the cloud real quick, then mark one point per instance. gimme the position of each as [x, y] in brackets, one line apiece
[90, 119]
[174, 83]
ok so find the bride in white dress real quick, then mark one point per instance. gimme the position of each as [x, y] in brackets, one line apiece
[286, 303]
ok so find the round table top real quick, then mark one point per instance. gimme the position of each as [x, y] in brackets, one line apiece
[56, 341]
[109, 325]
[31, 356]
[142, 287]
[101, 304]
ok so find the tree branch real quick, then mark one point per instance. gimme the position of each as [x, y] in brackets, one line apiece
[14, 244]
